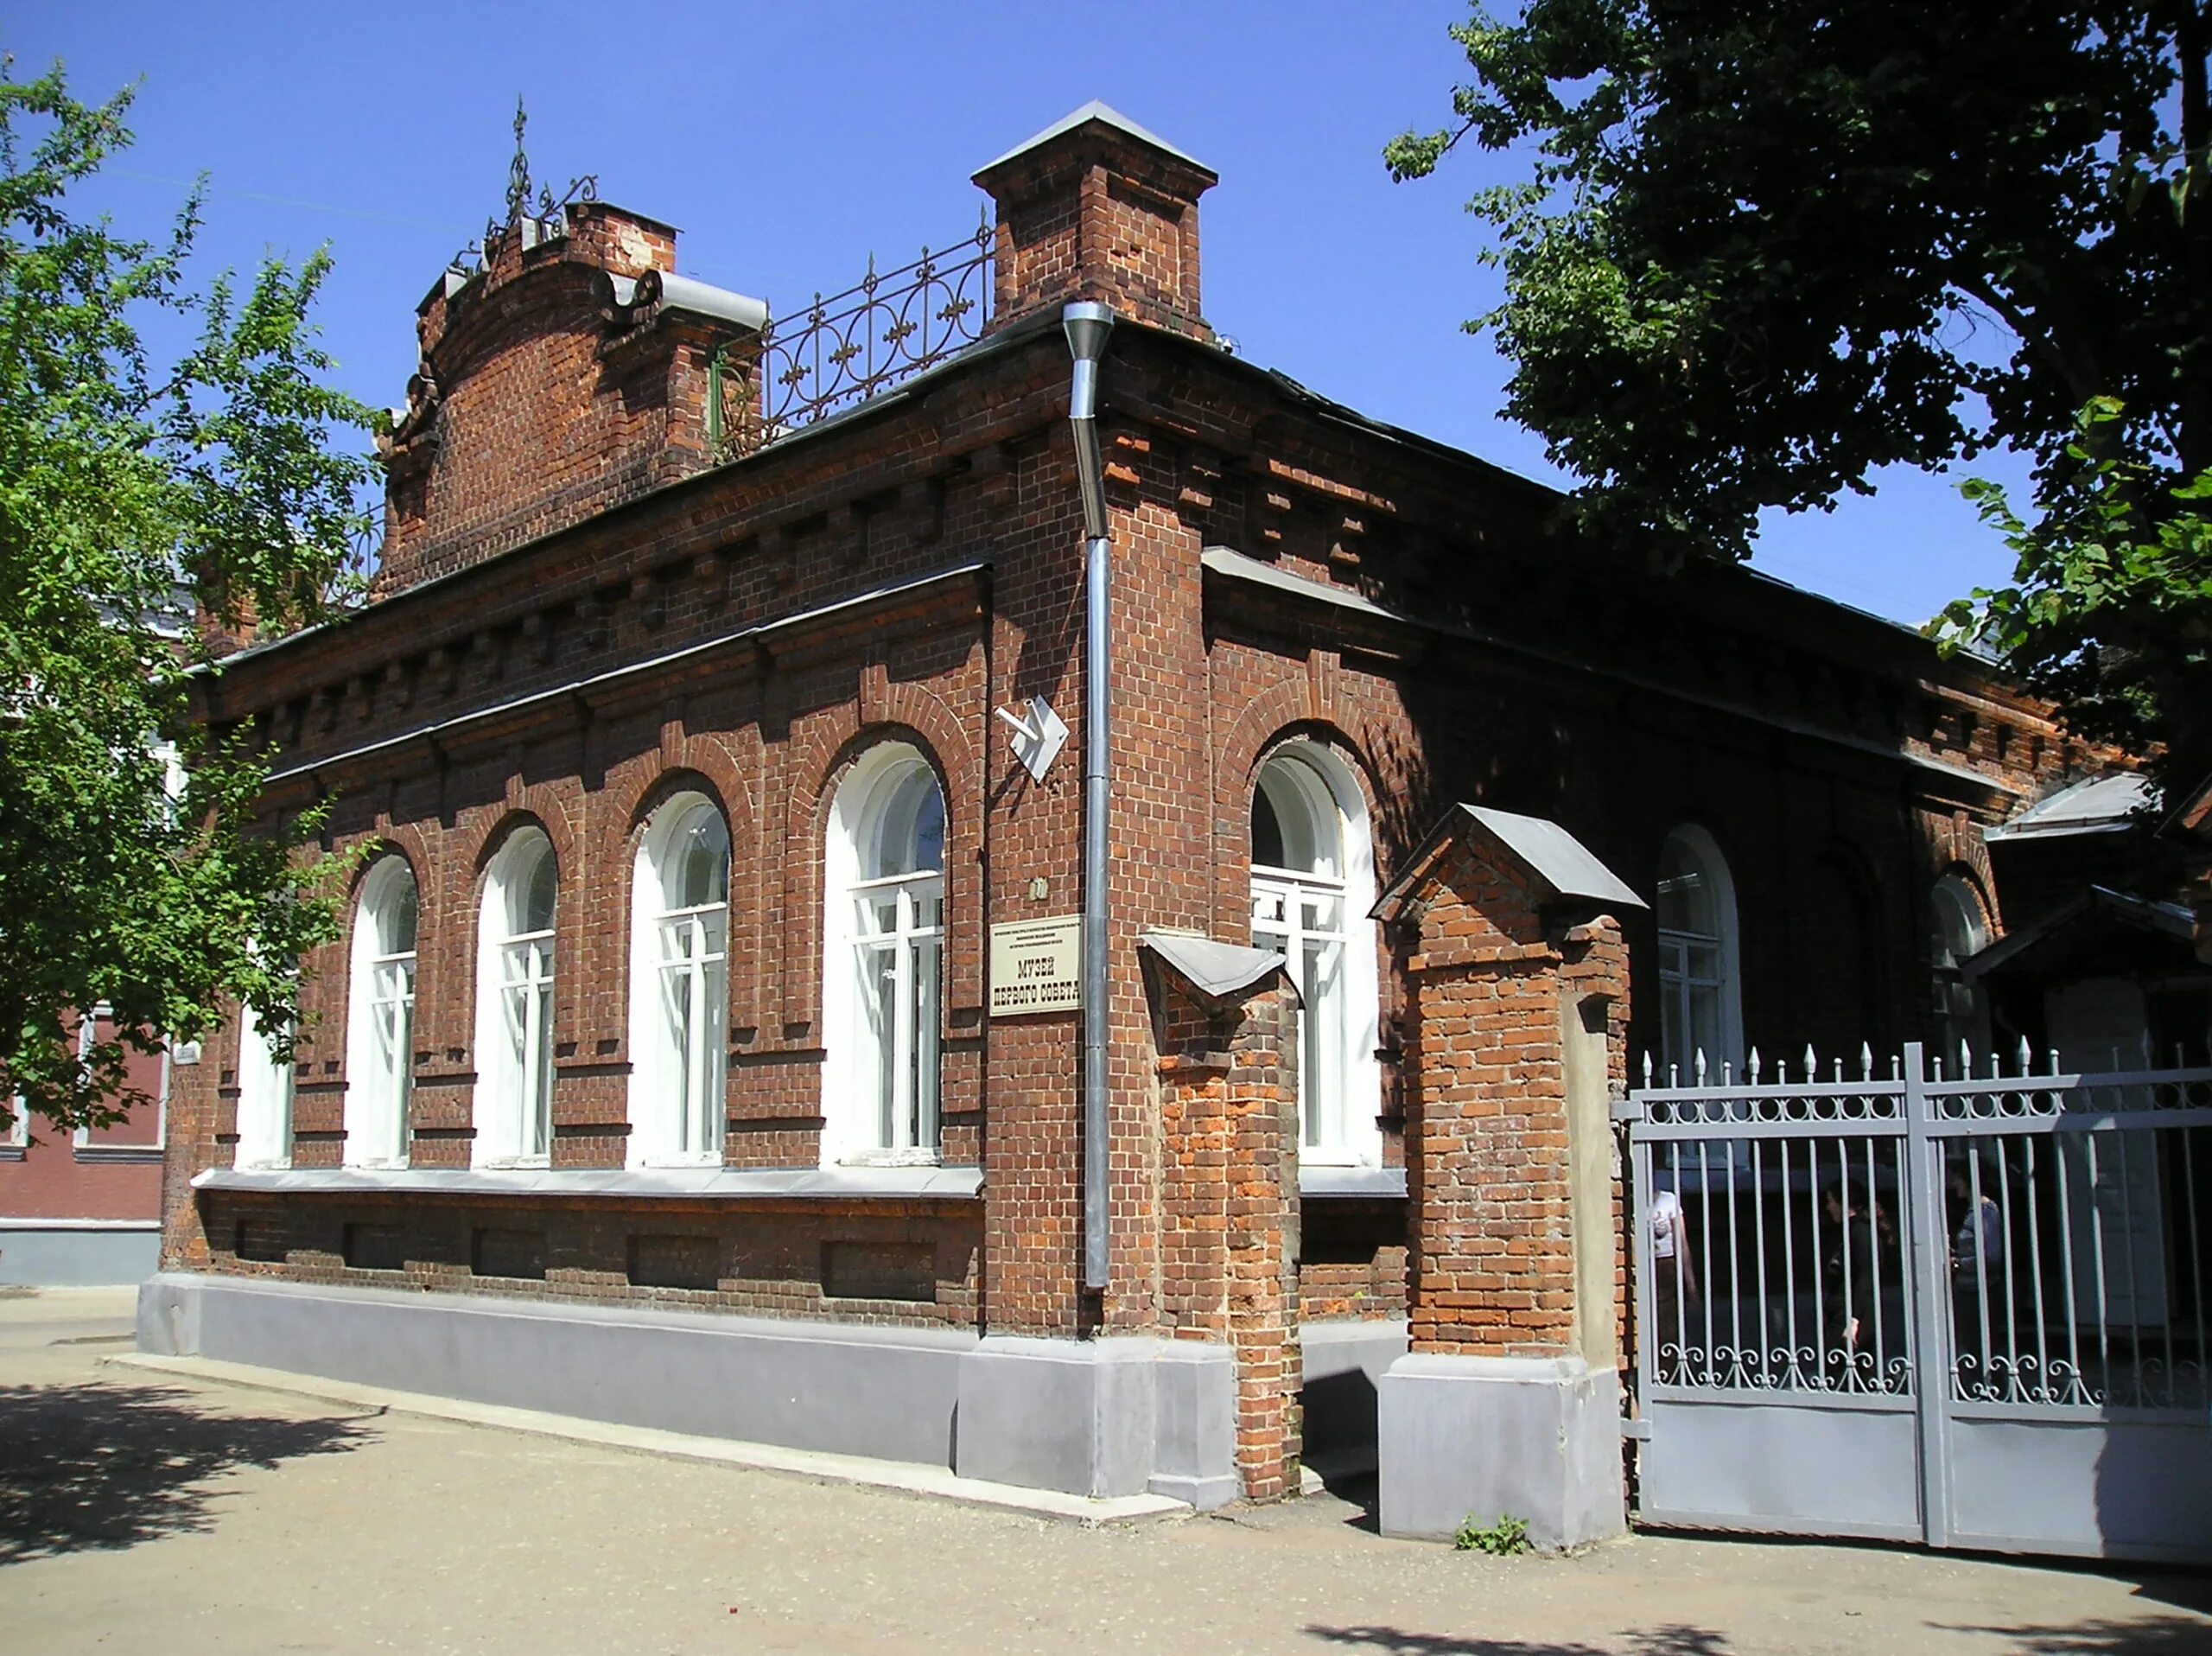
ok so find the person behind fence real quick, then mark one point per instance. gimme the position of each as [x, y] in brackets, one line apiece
[1849, 1291]
[1674, 1284]
[1977, 1273]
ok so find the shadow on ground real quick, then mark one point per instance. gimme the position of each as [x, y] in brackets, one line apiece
[2165, 1636]
[1652, 1641]
[87, 1467]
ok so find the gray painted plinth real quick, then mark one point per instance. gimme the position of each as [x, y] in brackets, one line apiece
[1087, 1417]
[1101, 1417]
[78, 1256]
[1529, 1438]
[886, 1393]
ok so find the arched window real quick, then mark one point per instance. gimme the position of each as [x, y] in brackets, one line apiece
[264, 1120]
[679, 985]
[1958, 929]
[1313, 885]
[884, 932]
[514, 1003]
[1701, 985]
[380, 1024]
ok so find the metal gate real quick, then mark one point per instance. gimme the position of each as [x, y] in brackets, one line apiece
[1970, 1312]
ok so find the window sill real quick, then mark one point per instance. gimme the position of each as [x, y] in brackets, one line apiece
[121, 1154]
[1324, 1182]
[822, 1184]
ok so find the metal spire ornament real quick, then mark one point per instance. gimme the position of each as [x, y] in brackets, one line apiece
[519, 171]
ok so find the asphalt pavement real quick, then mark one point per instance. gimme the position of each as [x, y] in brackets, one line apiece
[159, 1514]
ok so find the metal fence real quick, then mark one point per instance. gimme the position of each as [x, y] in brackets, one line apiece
[844, 349]
[1971, 1309]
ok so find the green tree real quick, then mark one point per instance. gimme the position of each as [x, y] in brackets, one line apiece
[132, 872]
[1761, 251]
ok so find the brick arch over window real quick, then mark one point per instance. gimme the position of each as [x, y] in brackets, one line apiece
[831, 741]
[727, 769]
[1271, 720]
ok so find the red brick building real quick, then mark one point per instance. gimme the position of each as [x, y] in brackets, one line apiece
[704, 1049]
[83, 1208]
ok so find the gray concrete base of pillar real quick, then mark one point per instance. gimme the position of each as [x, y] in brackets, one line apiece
[1087, 1417]
[1100, 1416]
[1533, 1438]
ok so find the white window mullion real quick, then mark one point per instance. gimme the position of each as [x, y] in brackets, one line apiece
[902, 1038]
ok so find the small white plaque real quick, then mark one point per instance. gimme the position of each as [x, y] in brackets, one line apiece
[1037, 966]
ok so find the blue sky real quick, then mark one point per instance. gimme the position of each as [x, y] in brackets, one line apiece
[788, 142]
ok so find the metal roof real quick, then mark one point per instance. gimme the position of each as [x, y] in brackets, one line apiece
[2098, 907]
[1219, 971]
[1564, 862]
[1554, 855]
[1095, 111]
[2103, 804]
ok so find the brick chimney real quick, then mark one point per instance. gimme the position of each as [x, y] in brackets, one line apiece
[1096, 207]
[567, 373]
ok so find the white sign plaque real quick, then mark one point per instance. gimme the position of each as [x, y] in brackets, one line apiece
[1037, 966]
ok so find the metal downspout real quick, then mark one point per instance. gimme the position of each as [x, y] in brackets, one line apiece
[1088, 326]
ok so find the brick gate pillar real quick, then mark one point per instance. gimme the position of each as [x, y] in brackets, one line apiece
[1509, 1401]
[1226, 1025]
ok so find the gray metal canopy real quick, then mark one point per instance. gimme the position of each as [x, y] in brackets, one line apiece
[1547, 851]
[1221, 974]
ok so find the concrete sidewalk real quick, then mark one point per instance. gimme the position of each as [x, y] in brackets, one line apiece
[153, 1512]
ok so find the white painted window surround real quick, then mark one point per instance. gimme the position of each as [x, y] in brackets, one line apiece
[514, 1004]
[83, 1145]
[380, 1017]
[883, 935]
[679, 985]
[1313, 887]
[1701, 973]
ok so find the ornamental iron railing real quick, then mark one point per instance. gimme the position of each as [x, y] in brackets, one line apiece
[846, 347]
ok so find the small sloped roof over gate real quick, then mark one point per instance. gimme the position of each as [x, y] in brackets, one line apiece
[1556, 858]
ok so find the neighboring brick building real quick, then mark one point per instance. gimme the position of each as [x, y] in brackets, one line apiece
[659, 1068]
[83, 1208]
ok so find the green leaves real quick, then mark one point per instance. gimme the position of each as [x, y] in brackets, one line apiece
[1761, 251]
[2111, 600]
[133, 871]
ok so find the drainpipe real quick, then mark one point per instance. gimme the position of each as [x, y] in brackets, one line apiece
[1088, 326]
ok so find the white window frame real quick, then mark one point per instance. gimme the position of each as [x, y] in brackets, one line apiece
[909, 952]
[513, 1108]
[83, 1146]
[1339, 1077]
[1698, 967]
[380, 1023]
[266, 1099]
[678, 1100]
